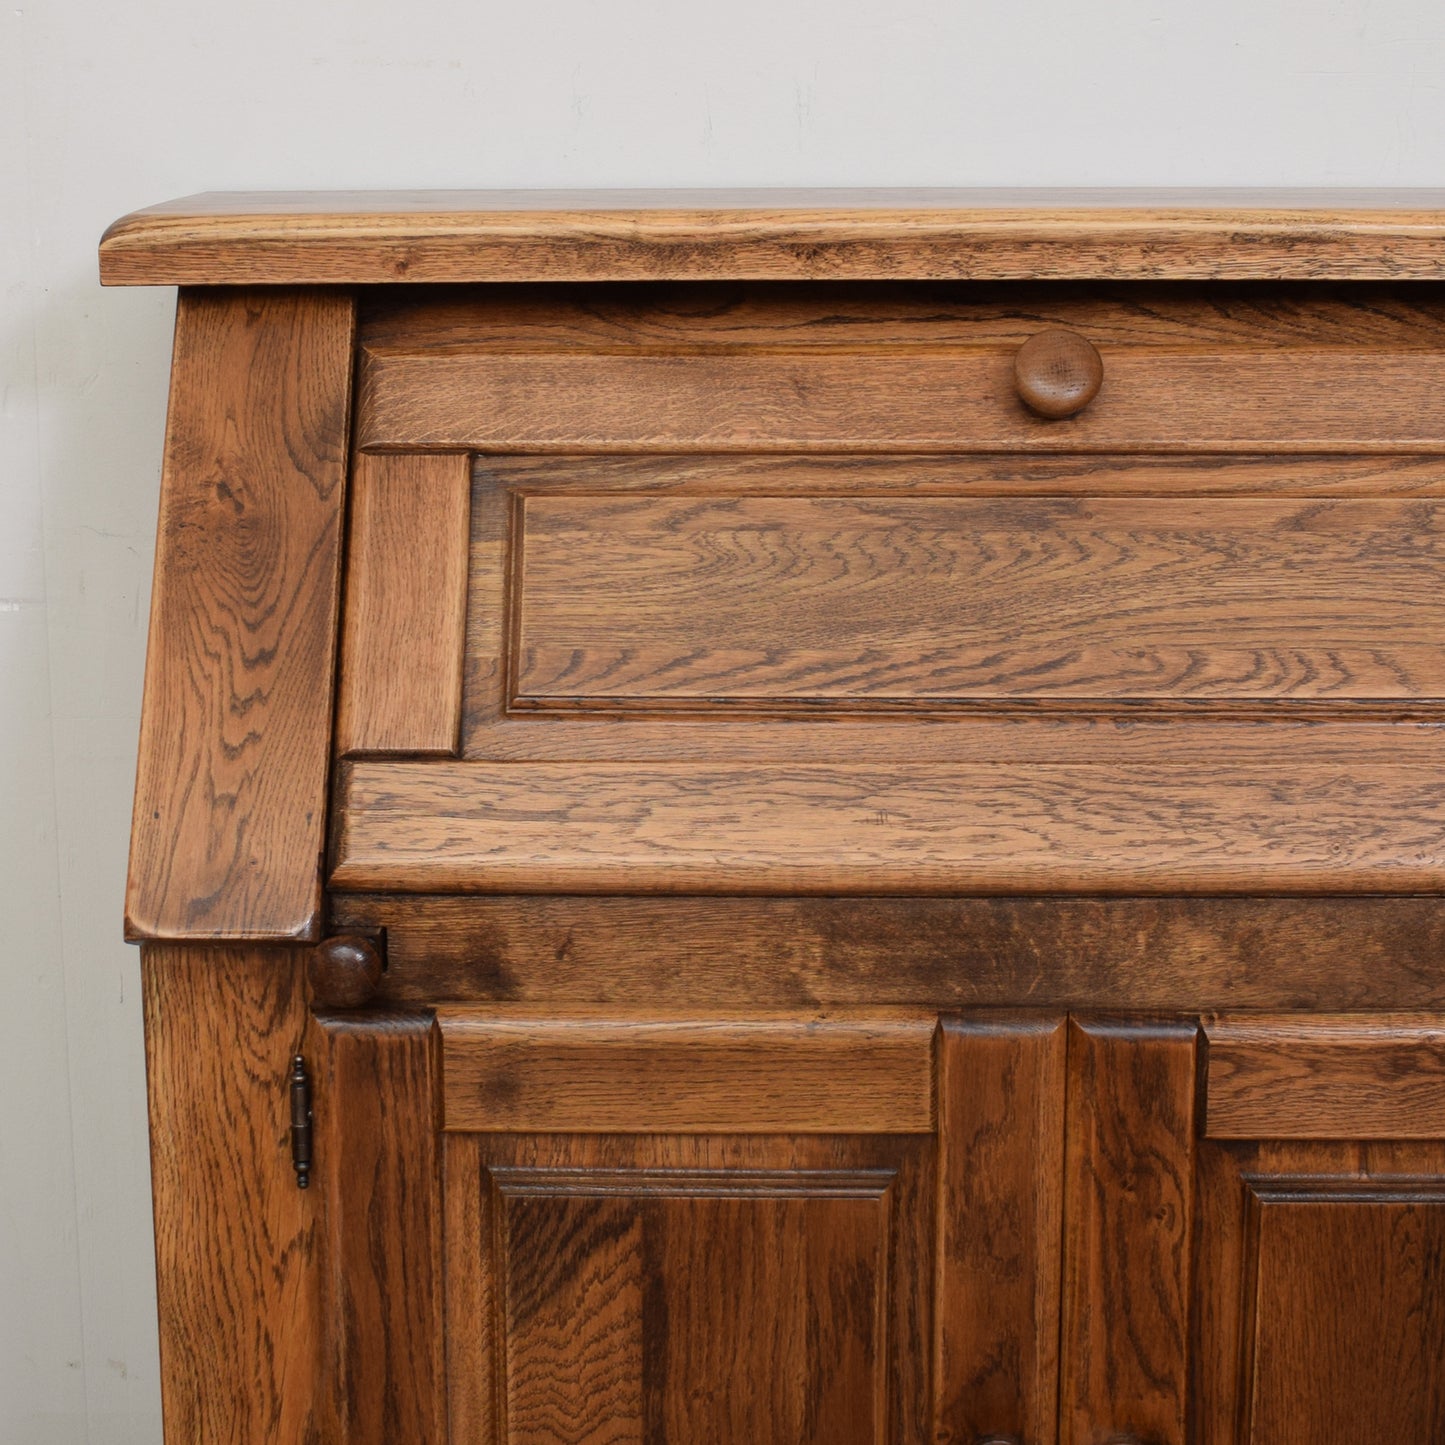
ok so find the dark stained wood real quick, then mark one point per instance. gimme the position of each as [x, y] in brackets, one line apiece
[230, 801]
[1353, 1077]
[928, 828]
[1058, 373]
[1129, 1214]
[1001, 1084]
[639, 1280]
[1158, 400]
[343, 971]
[331, 237]
[646, 602]
[599, 1072]
[236, 1248]
[1349, 1318]
[378, 1187]
[400, 683]
[1146, 954]
[1318, 1293]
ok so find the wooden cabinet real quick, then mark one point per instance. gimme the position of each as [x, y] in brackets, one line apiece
[877, 772]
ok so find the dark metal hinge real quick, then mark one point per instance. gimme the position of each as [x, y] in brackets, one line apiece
[300, 1121]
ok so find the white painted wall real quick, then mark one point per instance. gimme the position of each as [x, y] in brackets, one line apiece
[105, 107]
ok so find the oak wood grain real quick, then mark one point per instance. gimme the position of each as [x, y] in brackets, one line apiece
[1001, 1080]
[364, 237]
[236, 1243]
[1317, 1292]
[230, 800]
[1157, 399]
[464, 827]
[399, 689]
[517, 1071]
[893, 318]
[1370, 1076]
[639, 1279]
[705, 602]
[472, 1397]
[380, 1342]
[1149, 954]
[1129, 1213]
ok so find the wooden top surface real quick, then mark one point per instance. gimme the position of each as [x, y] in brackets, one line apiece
[365, 237]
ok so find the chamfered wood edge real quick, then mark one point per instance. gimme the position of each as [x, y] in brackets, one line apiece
[362, 238]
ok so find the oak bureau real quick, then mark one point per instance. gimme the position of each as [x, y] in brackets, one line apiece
[797, 819]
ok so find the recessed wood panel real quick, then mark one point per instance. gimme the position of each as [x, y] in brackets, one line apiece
[853, 601]
[404, 624]
[690, 828]
[644, 1288]
[1152, 400]
[1348, 1336]
[510, 1071]
[1368, 1077]
[694, 1307]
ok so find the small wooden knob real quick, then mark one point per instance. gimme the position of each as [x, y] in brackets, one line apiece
[344, 971]
[1058, 373]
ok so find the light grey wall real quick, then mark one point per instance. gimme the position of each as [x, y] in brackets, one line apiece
[105, 107]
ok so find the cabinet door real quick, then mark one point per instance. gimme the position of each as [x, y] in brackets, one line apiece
[1322, 1244]
[768, 1228]
[1255, 1239]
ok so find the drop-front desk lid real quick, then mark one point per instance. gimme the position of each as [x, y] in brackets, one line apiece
[708, 584]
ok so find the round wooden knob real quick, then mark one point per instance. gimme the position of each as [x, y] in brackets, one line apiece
[1058, 373]
[344, 971]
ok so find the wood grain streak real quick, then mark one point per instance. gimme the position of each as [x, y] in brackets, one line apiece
[512, 1071]
[1000, 1214]
[236, 723]
[379, 1184]
[235, 1239]
[807, 954]
[645, 601]
[463, 827]
[363, 237]
[1129, 1209]
[1365, 1077]
[403, 630]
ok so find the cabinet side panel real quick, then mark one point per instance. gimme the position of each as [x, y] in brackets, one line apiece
[1129, 1174]
[236, 724]
[1000, 1213]
[234, 1235]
